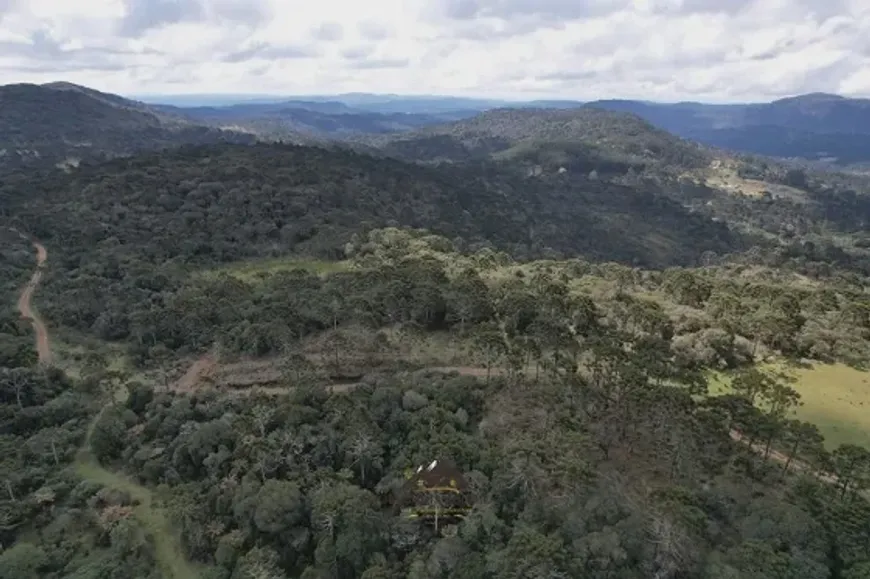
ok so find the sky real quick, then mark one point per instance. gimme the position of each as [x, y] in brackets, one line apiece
[663, 50]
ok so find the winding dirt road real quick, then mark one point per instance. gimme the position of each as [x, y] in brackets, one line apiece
[43, 346]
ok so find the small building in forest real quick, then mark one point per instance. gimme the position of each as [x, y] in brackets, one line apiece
[436, 492]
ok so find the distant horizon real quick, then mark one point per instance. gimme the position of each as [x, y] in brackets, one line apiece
[229, 98]
[664, 51]
[265, 98]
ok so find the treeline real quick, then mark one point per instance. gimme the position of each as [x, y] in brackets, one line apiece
[713, 317]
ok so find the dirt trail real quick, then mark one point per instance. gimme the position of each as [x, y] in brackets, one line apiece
[206, 365]
[197, 371]
[781, 458]
[43, 346]
[169, 557]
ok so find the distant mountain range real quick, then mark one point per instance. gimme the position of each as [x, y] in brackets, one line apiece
[334, 119]
[377, 103]
[62, 123]
[816, 126]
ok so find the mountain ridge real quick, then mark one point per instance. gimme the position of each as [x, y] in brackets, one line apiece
[814, 126]
[63, 124]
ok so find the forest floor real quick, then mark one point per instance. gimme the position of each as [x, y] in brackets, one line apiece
[251, 271]
[170, 559]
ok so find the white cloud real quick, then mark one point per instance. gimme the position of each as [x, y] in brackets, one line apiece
[657, 49]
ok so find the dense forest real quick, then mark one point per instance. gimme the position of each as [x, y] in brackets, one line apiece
[554, 335]
[232, 202]
[590, 446]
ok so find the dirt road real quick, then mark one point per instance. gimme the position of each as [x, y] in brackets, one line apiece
[196, 372]
[777, 456]
[43, 346]
[208, 365]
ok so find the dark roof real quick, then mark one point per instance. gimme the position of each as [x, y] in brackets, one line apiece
[439, 473]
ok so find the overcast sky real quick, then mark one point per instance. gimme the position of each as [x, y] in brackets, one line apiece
[713, 50]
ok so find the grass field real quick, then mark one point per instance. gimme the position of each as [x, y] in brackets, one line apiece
[251, 271]
[170, 559]
[835, 397]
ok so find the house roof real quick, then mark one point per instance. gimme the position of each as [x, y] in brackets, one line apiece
[437, 474]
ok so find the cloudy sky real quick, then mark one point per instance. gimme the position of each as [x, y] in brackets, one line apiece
[714, 50]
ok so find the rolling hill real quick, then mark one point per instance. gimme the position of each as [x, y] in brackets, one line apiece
[815, 126]
[580, 139]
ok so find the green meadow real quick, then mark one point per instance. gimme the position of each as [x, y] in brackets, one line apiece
[834, 397]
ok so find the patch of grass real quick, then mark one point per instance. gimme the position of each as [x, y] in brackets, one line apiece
[170, 559]
[724, 176]
[253, 271]
[72, 351]
[835, 397]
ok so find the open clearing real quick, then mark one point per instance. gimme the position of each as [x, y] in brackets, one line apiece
[835, 397]
[252, 271]
[170, 559]
[723, 175]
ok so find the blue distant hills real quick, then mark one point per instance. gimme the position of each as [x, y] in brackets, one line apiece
[815, 126]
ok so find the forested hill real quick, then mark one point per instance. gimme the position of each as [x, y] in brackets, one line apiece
[41, 126]
[229, 202]
[508, 133]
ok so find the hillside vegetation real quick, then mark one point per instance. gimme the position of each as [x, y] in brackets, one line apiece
[588, 438]
[257, 346]
[227, 203]
[611, 135]
[41, 126]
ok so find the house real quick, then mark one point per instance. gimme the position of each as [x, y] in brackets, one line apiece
[436, 492]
